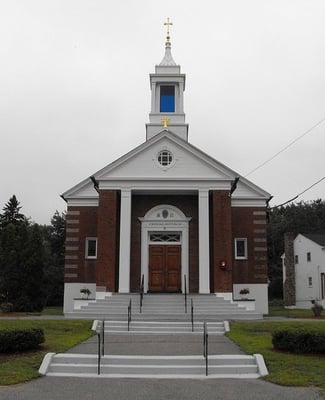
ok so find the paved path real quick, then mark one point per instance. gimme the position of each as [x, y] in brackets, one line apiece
[58, 388]
[52, 388]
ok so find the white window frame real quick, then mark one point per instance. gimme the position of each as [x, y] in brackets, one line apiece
[88, 239]
[245, 256]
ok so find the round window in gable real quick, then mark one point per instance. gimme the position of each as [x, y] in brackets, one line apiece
[165, 158]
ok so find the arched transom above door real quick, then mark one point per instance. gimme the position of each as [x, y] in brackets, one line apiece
[165, 213]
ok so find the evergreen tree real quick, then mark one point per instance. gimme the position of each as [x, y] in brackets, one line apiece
[54, 246]
[11, 213]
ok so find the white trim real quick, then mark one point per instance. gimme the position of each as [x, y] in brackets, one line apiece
[178, 223]
[87, 256]
[237, 257]
[204, 250]
[125, 242]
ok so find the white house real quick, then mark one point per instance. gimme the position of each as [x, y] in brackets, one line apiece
[308, 270]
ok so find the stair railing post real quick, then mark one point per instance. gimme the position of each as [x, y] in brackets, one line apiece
[185, 294]
[98, 358]
[103, 337]
[141, 293]
[129, 314]
[192, 315]
[206, 347]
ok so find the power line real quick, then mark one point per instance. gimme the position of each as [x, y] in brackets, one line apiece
[304, 191]
[286, 147]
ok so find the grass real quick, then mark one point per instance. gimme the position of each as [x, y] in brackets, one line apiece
[277, 310]
[60, 335]
[284, 368]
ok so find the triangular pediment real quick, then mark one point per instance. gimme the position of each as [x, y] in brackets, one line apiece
[143, 162]
[185, 166]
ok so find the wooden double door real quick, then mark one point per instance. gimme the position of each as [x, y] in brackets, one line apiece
[165, 268]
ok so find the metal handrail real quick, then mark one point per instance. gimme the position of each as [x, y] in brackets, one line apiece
[99, 355]
[129, 314]
[101, 345]
[141, 292]
[185, 294]
[192, 315]
[103, 337]
[206, 347]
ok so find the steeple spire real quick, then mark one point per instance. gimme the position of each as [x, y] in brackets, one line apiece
[168, 58]
[167, 88]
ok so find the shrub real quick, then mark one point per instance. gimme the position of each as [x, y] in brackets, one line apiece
[20, 340]
[299, 341]
[6, 307]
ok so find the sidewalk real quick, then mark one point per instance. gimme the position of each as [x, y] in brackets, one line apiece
[137, 344]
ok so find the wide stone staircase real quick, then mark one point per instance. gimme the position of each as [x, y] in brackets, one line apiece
[163, 307]
[166, 338]
[157, 367]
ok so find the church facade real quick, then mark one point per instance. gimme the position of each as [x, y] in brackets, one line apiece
[166, 213]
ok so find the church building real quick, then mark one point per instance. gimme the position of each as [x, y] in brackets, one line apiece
[167, 213]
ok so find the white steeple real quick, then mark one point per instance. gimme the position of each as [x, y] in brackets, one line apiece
[167, 87]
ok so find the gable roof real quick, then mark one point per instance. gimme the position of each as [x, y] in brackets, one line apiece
[318, 238]
[192, 165]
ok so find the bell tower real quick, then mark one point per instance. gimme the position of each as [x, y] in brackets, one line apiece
[167, 88]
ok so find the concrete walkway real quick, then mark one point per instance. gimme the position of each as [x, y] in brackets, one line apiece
[58, 388]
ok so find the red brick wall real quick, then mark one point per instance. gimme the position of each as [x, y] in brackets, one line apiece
[108, 239]
[81, 223]
[141, 204]
[220, 241]
[250, 223]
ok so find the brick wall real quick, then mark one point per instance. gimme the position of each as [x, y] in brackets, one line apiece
[108, 240]
[220, 241]
[250, 223]
[81, 222]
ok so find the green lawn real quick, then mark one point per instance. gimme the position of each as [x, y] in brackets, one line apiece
[60, 335]
[284, 368]
[279, 311]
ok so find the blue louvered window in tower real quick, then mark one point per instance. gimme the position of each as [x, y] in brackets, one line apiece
[167, 99]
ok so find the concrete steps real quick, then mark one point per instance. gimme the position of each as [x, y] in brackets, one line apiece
[163, 307]
[160, 327]
[159, 367]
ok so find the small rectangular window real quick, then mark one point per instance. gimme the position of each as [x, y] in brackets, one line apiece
[167, 99]
[310, 281]
[296, 260]
[241, 249]
[91, 247]
[308, 256]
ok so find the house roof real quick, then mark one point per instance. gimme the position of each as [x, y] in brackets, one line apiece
[318, 238]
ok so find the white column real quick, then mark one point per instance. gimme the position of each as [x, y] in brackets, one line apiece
[204, 256]
[153, 98]
[125, 242]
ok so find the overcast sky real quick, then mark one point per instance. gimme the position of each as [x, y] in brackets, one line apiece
[75, 94]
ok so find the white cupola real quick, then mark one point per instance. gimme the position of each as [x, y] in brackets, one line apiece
[167, 87]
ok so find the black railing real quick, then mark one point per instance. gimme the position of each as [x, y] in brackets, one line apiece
[99, 355]
[206, 347]
[185, 294]
[192, 315]
[141, 292]
[101, 345]
[103, 337]
[129, 314]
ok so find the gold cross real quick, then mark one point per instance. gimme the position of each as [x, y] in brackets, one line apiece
[168, 24]
[165, 122]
